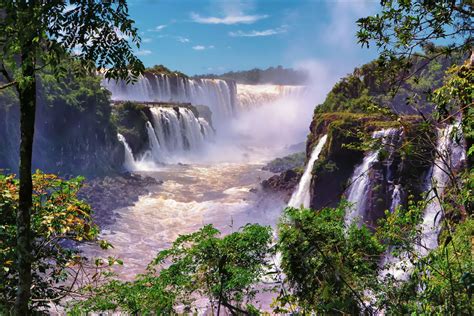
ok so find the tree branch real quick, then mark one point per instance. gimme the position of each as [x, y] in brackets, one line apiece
[8, 85]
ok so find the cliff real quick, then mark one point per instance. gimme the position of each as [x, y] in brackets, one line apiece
[74, 134]
[401, 165]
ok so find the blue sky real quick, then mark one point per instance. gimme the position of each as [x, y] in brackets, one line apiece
[215, 36]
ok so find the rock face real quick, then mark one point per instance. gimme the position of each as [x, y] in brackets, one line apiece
[74, 134]
[285, 181]
[393, 175]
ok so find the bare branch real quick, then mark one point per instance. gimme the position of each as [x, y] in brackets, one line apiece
[8, 85]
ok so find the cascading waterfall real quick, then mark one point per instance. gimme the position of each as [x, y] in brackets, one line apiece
[129, 161]
[450, 155]
[173, 134]
[251, 96]
[155, 148]
[396, 197]
[224, 98]
[218, 95]
[301, 196]
[360, 181]
[177, 130]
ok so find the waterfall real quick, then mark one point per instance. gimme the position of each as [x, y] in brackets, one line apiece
[155, 147]
[396, 197]
[174, 132]
[450, 155]
[360, 181]
[218, 95]
[225, 98]
[301, 196]
[251, 96]
[129, 161]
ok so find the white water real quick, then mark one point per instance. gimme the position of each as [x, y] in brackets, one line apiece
[360, 181]
[302, 195]
[396, 197]
[225, 98]
[251, 96]
[129, 161]
[191, 196]
[218, 95]
[450, 155]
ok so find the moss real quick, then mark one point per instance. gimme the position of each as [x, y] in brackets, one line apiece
[346, 143]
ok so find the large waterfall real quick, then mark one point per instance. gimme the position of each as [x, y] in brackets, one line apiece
[218, 95]
[301, 196]
[173, 135]
[250, 96]
[360, 181]
[224, 98]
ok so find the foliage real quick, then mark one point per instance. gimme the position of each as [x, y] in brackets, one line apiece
[455, 99]
[440, 282]
[402, 26]
[59, 219]
[162, 70]
[224, 270]
[286, 163]
[327, 267]
[375, 88]
[92, 30]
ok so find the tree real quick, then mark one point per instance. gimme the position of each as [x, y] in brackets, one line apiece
[402, 28]
[59, 219]
[328, 266]
[38, 34]
[225, 270]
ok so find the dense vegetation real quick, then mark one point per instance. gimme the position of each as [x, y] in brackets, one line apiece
[327, 266]
[374, 87]
[59, 220]
[271, 75]
[293, 161]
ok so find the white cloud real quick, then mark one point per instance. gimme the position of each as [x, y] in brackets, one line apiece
[146, 40]
[183, 39]
[143, 52]
[202, 47]
[228, 19]
[158, 28]
[269, 32]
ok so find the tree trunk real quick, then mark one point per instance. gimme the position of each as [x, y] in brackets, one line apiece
[27, 96]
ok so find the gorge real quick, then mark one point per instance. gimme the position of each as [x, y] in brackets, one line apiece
[198, 149]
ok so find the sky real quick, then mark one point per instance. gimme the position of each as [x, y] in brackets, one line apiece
[216, 36]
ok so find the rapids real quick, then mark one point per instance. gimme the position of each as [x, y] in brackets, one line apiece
[190, 197]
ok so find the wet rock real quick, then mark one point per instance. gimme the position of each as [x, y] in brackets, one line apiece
[108, 193]
[285, 181]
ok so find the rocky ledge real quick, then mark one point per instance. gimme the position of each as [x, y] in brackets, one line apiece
[283, 182]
